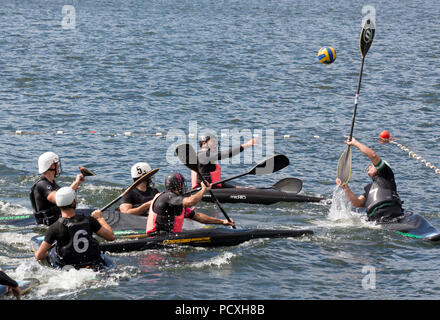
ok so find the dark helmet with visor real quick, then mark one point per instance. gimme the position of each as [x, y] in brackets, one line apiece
[175, 182]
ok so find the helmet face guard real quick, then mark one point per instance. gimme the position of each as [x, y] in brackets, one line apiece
[182, 188]
[148, 180]
[58, 168]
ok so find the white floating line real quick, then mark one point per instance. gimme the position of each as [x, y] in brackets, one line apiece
[417, 157]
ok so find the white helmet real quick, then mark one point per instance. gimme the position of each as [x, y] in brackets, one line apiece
[65, 196]
[46, 160]
[140, 169]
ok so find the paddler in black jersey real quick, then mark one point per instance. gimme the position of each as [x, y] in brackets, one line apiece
[138, 200]
[169, 209]
[380, 198]
[43, 192]
[73, 234]
[209, 155]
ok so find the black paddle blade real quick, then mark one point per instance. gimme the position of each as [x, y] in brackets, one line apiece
[289, 185]
[344, 166]
[270, 165]
[188, 156]
[367, 36]
[86, 172]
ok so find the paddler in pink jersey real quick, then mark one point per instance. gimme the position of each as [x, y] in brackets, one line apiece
[169, 209]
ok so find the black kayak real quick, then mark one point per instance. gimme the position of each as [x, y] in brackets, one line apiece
[207, 237]
[52, 259]
[257, 196]
[412, 225]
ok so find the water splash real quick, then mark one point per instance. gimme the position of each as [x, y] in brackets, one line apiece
[341, 208]
[217, 261]
[7, 208]
[62, 283]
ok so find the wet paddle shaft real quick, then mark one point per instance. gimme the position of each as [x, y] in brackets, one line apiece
[366, 39]
[270, 165]
[144, 177]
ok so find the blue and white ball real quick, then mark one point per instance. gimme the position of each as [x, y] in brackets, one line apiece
[327, 55]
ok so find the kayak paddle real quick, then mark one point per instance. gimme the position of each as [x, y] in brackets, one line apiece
[147, 175]
[288, 185]
[270, 165]
[188, 156]
[344, 162]
[86, 172]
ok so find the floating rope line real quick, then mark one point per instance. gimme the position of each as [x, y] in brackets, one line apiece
[385, 138]
[146, 134]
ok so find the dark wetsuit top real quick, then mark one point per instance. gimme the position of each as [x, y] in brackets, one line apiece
[385, 177]
[208, 159]
[44, 211]
[42, 190]
[137, 197]
[57, 231]
[168, 205]
[7, 281]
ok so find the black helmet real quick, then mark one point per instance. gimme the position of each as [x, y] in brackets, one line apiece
[175, 182]
[206, 137]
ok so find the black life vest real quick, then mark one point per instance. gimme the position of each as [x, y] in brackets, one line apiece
[380, 193]
[82, 249]
[46, 216]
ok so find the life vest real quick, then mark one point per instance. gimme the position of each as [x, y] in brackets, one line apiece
[83, 248]
[214, 176]
[164, 222]
[380, 193]
[46, 216]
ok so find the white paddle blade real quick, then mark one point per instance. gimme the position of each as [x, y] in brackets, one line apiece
[344, 166]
